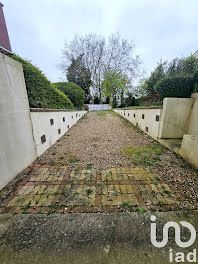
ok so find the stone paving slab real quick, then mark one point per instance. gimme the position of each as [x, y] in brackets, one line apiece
[51, 189]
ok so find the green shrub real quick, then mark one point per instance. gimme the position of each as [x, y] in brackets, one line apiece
[73, 91]
[41, 93]
[177, 86]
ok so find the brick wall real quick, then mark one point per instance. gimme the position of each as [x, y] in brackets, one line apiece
[4, 37]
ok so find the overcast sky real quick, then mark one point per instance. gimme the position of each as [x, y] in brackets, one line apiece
[161, 29]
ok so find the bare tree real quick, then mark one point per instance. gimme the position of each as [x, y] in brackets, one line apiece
[100, 55]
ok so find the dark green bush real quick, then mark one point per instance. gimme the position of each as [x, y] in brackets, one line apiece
[41, 93]
[176, 86]
[73, 91]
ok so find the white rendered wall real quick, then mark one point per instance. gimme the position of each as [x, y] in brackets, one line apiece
[147, 119]
[42, 126]
[17, 148]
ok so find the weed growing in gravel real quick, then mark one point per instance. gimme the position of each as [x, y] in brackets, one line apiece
[89, 191]
[25, 209]
[146, 155]
[41, 212]
[15, 213]
[126, 205]
[64, 193]
[88, 202]
[52, 210]
[76, 170]
[73, 159]
[89, 166]
[53, 153]
[141, 210]
[161, 204]
[55, 193]
[154, 183]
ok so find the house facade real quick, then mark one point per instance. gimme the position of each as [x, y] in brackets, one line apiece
[196, 54]
[5, 46]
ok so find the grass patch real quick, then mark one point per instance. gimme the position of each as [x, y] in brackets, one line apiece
[102, 114]
[146, 155]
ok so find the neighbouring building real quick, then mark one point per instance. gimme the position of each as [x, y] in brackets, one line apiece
[196, 54]
[5, 46]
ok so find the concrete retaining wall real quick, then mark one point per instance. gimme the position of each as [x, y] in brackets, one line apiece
[193, 118]
[17, 147]
[147, 119]
[22, 132]
[49, 126]
[174, 118]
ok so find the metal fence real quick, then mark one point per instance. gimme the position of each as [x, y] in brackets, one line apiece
[98, 107]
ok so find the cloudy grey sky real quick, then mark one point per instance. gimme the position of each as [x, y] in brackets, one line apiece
[161, 29]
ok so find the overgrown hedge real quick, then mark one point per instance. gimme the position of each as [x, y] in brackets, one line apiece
[74, 92]
[177, 86]
[41, 93]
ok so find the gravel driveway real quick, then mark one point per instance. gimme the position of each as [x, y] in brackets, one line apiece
[97, 139]
[104, 163]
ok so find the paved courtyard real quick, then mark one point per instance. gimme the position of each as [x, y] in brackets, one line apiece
[104, 164]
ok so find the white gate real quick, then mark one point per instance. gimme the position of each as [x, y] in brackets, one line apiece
[98, 107]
